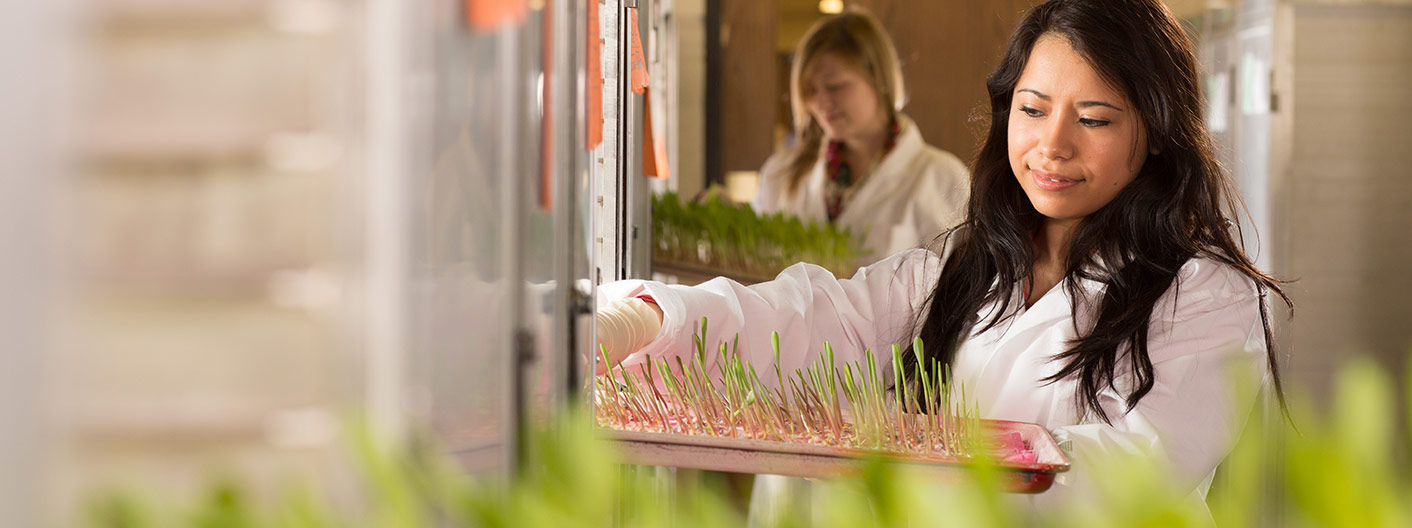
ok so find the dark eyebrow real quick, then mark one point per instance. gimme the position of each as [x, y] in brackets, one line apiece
[1080, 104]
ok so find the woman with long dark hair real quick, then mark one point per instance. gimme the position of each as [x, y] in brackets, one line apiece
[1096, 287]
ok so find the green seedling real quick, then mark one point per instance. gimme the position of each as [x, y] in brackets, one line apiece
[735, 240]
[820, 404]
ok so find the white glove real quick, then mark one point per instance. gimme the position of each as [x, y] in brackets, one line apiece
[624, 326]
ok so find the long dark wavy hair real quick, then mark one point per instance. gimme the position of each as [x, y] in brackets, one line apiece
[1172, 211]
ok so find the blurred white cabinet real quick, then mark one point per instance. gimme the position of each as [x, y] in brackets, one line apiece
[1309, 105]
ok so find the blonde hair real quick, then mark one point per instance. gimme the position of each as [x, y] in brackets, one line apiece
[858, 39]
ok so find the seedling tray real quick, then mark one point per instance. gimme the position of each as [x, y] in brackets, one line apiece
[815, 461]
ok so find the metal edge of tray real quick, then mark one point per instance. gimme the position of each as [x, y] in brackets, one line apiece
[740, 455]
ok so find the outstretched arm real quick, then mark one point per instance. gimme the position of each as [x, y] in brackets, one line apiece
[806, 304]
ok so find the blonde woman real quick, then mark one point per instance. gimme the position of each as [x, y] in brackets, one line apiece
[857, 161]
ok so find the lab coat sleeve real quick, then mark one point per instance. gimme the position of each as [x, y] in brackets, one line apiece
[771, 185]
[1207, 346]
[947, 193]
[936, 205]
[805, 303]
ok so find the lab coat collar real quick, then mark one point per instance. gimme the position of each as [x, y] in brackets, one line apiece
[889, 176]
[1053, 306]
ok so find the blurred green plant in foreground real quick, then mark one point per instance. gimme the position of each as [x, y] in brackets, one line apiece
[1345, 467]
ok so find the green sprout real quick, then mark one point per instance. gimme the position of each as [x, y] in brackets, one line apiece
[734, 240]
[821, 404]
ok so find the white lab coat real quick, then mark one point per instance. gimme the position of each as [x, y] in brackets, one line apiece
[915, 192]
[1206, 324]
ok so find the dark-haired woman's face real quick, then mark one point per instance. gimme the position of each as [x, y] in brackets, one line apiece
[1074, 141]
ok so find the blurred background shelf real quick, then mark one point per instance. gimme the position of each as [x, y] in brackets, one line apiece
[696, 274]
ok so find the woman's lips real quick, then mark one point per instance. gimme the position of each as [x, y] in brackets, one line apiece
[1050, 181]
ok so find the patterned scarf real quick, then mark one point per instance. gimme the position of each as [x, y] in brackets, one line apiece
[839, 188]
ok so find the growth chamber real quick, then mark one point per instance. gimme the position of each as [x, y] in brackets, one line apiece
[538, 138]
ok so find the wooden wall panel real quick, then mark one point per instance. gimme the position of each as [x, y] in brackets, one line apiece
[747, 84]
[947, 48]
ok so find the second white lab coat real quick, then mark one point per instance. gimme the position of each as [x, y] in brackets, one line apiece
[915, 192]
[1205, 325]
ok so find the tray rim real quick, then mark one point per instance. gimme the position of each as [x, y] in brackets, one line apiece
[1056, 461]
